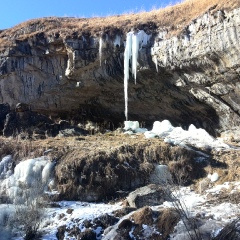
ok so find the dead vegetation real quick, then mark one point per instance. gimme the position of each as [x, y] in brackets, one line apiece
[19, 149]
[173, 19]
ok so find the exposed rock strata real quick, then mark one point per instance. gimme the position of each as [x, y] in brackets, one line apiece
[197, 80]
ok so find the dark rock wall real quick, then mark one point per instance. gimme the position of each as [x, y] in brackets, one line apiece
[197, 80]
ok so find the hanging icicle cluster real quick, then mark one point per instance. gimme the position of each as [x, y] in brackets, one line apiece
[134, 42]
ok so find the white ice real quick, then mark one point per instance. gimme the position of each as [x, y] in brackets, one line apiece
[100, 50]
[29, 174]
[176, 135]
[117, 41]
[5, 167]
[134, 42]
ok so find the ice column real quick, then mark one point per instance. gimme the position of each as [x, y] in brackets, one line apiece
[100, 50]
[127, 56]
[134, 42]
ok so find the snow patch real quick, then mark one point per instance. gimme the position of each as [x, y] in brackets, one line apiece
[214, 177]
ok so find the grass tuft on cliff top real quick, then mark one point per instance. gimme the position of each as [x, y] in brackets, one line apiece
[172, 18]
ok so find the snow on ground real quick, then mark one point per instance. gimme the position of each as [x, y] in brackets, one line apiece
[215, 216]
[56, 217]
[60, 216]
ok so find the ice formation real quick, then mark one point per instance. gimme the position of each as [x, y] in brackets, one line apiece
[5, 167]
[176, 135]
[34, 174]
[133, 127]
[134, 42]
[156, 62]
[117, 41]
[100, 50]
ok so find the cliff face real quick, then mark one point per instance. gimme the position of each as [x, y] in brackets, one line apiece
[197, 79]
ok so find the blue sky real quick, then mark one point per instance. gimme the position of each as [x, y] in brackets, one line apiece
[13, 12]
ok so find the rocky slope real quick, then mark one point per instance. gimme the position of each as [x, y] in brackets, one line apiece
[196, 81]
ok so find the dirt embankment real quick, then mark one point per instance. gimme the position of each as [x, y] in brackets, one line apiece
[99, 167]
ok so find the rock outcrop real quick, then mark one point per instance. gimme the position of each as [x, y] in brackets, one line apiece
[197, 80]
[149, 195]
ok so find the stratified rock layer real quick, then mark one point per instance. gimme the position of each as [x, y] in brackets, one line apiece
[197, 80]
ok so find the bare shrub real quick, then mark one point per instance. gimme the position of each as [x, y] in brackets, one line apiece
[29, 210]
[230, 231]
[18, 149]
[171, 188]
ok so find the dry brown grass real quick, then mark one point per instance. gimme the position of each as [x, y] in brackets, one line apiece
[171, 18]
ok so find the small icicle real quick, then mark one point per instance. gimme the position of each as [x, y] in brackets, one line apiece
[135, 48]
[117, 41]
[100, 50]
[156, 62]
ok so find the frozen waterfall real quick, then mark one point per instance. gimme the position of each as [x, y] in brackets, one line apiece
[34, 175]
[134, 42]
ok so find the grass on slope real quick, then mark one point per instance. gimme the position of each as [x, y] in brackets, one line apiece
[172, 18]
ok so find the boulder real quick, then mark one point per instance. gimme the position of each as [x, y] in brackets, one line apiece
[161, 175]
[150, 195]
[144, 223]
[24, 121]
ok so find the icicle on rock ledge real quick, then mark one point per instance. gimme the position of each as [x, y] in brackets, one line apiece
[134, 43]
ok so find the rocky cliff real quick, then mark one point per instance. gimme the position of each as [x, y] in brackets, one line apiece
[189, 78]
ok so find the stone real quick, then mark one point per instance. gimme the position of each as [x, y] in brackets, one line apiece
[22, 107]
[88, 234]
[150, 195]
[161, 175]
[60, 232]
[105, 220]
[24, 122]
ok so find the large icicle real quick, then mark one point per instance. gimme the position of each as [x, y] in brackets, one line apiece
[100, 50]
[135, 48]
[134, 42]
[127, 57]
